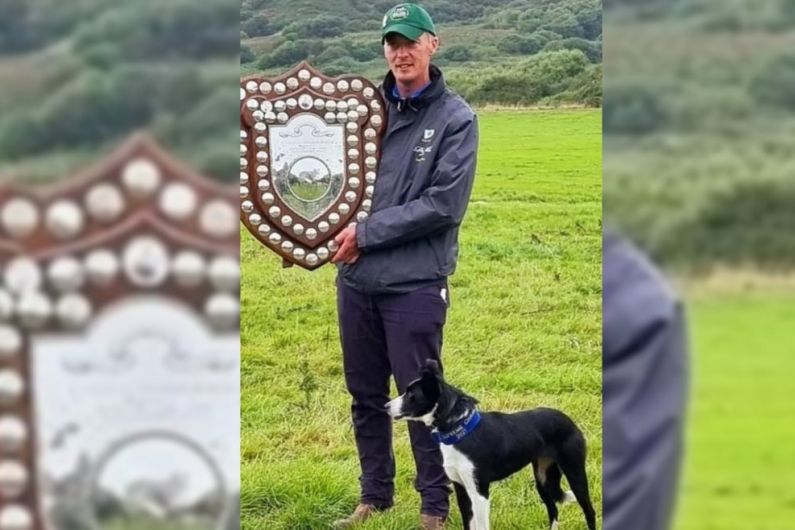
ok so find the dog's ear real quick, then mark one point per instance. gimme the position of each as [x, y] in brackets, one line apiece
[431, 368]
[430, 379]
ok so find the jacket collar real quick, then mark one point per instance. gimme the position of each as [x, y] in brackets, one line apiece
[425, 98]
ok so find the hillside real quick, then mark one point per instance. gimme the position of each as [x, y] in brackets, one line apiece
[520, 52]
[699, 118]
[79, 76]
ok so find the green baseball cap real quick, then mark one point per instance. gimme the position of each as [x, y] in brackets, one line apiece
[409, 20]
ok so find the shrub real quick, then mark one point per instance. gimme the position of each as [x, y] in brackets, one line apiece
[632, 109]
[774, 84]
[246, 55]
[457, 53]
[519, 45]
[747, 224]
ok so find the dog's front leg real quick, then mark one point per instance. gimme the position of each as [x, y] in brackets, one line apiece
[464, 505]
[480, 506]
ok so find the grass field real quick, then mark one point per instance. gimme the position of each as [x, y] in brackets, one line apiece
[740, 456]
[524, 330]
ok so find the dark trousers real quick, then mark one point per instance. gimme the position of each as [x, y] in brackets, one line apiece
[385, 335]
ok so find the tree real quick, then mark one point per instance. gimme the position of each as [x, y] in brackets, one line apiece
[257, 26]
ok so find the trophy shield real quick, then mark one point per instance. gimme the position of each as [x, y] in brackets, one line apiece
[119, 348]
[309, 152]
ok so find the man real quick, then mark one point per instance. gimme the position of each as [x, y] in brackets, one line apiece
[392, 294]
[644, 381]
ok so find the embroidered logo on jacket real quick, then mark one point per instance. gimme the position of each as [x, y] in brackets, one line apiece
[420, 152]
[424, 147]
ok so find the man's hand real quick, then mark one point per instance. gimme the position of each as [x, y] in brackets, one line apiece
[349, 250]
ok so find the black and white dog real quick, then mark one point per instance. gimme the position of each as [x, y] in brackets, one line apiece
[481, 448]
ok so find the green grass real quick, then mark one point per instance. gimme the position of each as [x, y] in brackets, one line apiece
[524, 330]
[741, 439]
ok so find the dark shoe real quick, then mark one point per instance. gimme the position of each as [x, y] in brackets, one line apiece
[359, 515]
[432, 522]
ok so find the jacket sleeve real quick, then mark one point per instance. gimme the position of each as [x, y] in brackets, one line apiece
[440, 206]
[644, 382]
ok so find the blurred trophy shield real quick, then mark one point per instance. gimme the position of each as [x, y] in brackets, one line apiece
[119, 349]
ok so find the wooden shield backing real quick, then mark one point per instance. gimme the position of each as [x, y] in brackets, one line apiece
[309, 151]
[139, 226]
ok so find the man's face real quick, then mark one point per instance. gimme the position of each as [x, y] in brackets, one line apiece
[409, 60]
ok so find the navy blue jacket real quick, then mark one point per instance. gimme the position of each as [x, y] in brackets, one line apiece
[425, 177]
[644, 384]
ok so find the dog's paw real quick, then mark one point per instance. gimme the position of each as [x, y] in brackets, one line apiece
[568, 497]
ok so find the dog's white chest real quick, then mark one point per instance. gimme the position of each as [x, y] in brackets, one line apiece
[458, 467]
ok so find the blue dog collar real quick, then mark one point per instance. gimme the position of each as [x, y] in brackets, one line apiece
[461, 431]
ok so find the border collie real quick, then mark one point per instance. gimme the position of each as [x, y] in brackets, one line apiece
[481, 448]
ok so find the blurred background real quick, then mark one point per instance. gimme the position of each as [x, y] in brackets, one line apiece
[79, 76]
[699, 171]
[119, 265]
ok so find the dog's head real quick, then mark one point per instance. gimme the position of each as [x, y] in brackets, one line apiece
[429, 398]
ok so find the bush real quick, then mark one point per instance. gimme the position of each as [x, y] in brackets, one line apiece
[16, 31]
[177, 29]
[289, 53]
[331, 54]
[565, 74]
[257, 26]
[747, 224]
[100, 106]
[21, 136]
[591, 50]
[563, 22]
[632, 109]
[457, 53]
[214, 158]
[774, 84]
[344, 65]
[590, 20]
[544, 36]
[555, 68]
[315, 28]
[530, 20]
[519, 45]
[587, 88]
[509, 88]
[96, 108]
[364, 52]
[246, 55]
